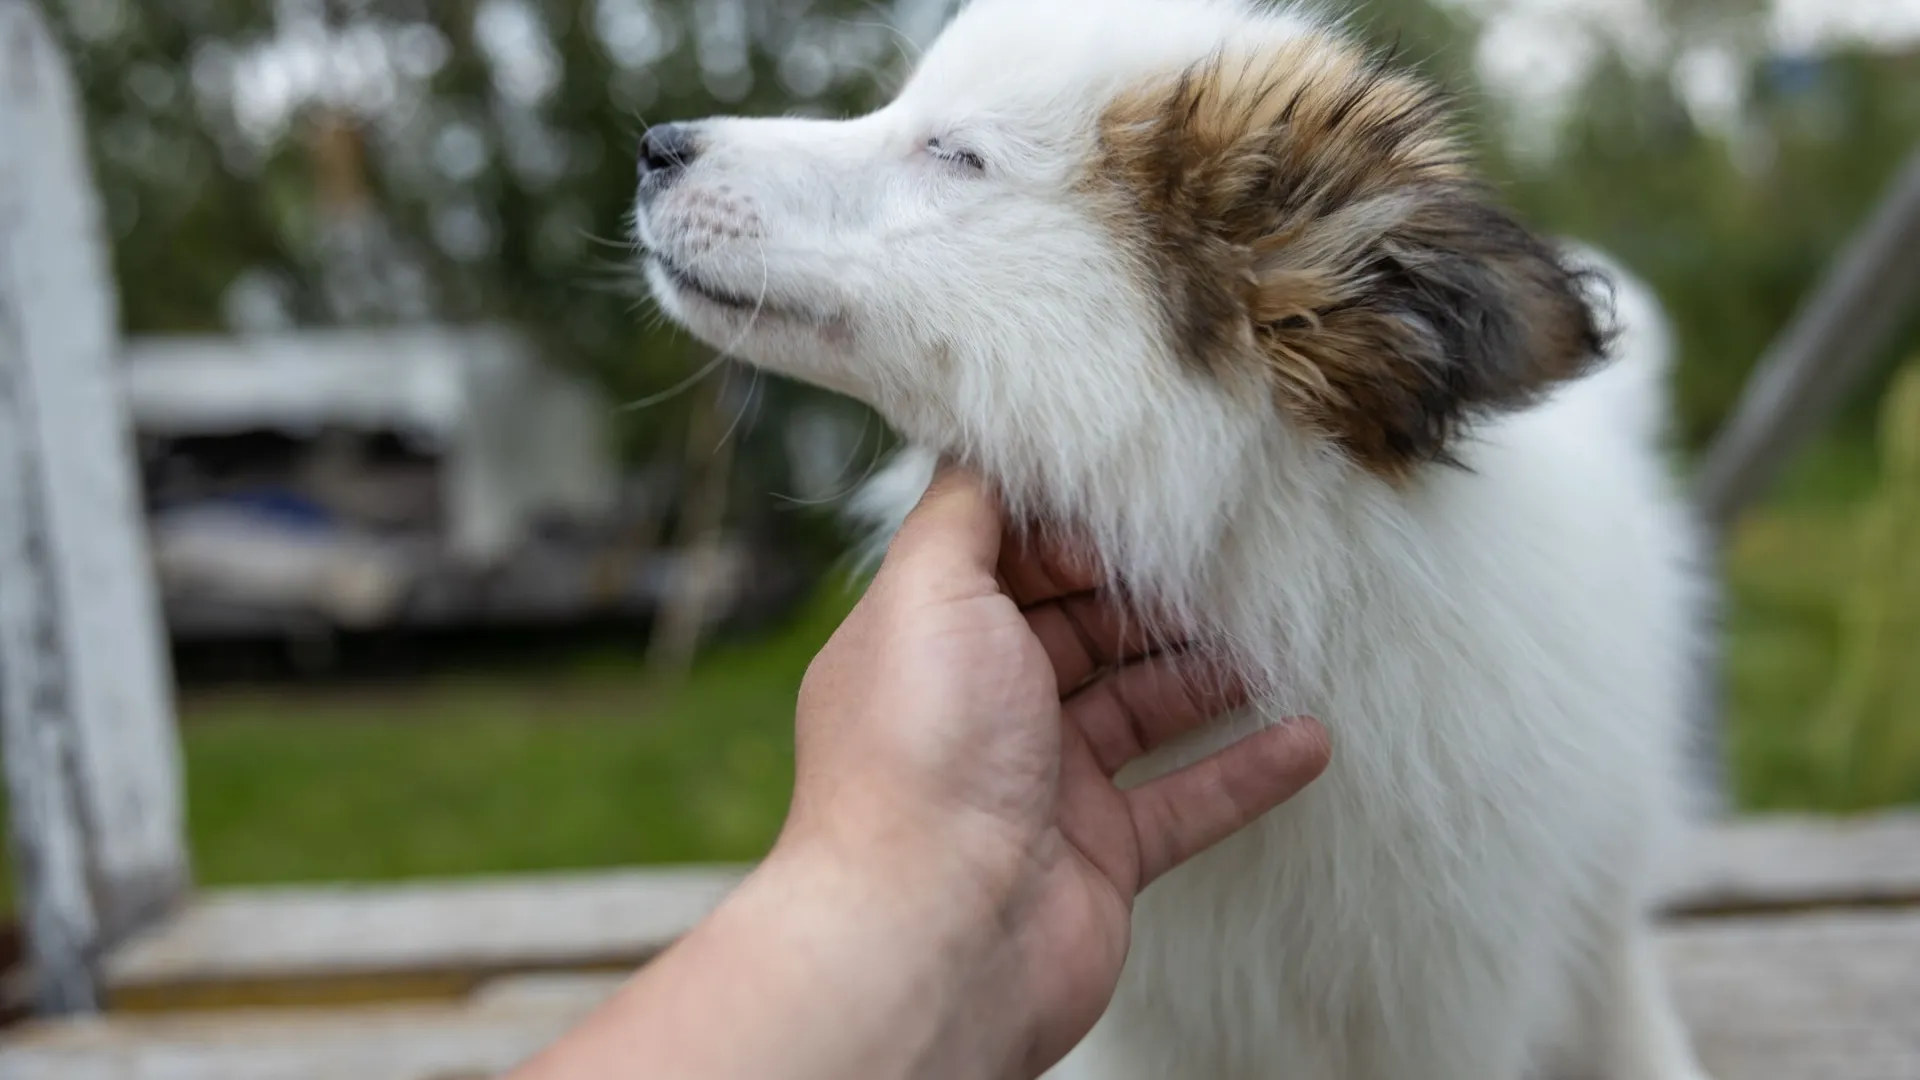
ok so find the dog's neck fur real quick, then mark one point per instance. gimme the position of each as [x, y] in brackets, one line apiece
[1192, 527]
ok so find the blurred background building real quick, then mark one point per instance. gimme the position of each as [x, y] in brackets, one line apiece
[471, 564]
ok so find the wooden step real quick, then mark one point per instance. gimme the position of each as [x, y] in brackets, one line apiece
[1822, 996]
[440, 939]
[480, 1036]
[1787, 862]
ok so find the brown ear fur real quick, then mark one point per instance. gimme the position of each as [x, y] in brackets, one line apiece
[1304, 210]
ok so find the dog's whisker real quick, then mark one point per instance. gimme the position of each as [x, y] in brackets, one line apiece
[627, 246]
[873, 464]
[677, 389]
[746, 406]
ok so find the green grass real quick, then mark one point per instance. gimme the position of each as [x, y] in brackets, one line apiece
[1788, 570]
[586, 765]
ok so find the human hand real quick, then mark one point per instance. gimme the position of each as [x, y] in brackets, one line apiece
[951, 897]
[956, 744]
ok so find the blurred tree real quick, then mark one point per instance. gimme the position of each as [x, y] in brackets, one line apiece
[312, 162]
[1732, 226]
[170, 184]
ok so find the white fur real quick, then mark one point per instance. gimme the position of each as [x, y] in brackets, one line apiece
[1501, 653]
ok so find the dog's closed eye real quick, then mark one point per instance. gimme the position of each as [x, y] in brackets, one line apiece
[966, 158]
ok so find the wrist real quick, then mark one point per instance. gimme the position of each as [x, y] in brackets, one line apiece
[960, 871]
[909, 962]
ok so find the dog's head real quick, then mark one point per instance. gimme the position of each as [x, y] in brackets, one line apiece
[1097, 228]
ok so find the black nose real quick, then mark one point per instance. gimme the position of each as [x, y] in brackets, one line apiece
[665, 151]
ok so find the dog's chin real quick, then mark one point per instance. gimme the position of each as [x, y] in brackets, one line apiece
[699, 296]
[670, 280]
[768, 334]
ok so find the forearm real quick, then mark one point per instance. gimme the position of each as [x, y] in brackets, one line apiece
[802, 973]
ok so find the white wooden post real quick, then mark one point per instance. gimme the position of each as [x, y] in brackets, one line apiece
[92, 759]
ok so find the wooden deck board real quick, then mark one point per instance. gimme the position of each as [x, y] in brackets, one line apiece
[439, 939]
[1781, 862]
[1795, 955]
[380, 1042]
[1824, 996]
[1827, 996]
[329, 944]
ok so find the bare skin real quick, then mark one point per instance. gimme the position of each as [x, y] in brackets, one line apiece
[952, 893]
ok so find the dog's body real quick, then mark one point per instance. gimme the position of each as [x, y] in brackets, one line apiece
[1202, 285]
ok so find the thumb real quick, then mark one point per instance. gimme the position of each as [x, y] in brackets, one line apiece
[955, 529]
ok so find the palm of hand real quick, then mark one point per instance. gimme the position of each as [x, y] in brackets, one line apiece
[991, 692]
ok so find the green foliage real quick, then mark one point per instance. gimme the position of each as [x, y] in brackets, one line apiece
[185, 222]
[1732, 232]
[1867, 737]
[492, 147]
[501, 189]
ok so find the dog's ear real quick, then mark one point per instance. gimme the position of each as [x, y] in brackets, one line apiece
[1388, 322]
[1306, 207]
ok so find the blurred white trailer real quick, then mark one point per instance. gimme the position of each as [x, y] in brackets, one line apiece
[313, 480]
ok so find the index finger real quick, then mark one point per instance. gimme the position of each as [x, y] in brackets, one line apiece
[1039, 567]
[1183, 813]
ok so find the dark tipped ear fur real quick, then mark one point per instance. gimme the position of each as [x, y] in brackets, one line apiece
[1305, 211]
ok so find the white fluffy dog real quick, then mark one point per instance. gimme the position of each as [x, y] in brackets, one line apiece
[1214, 289]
